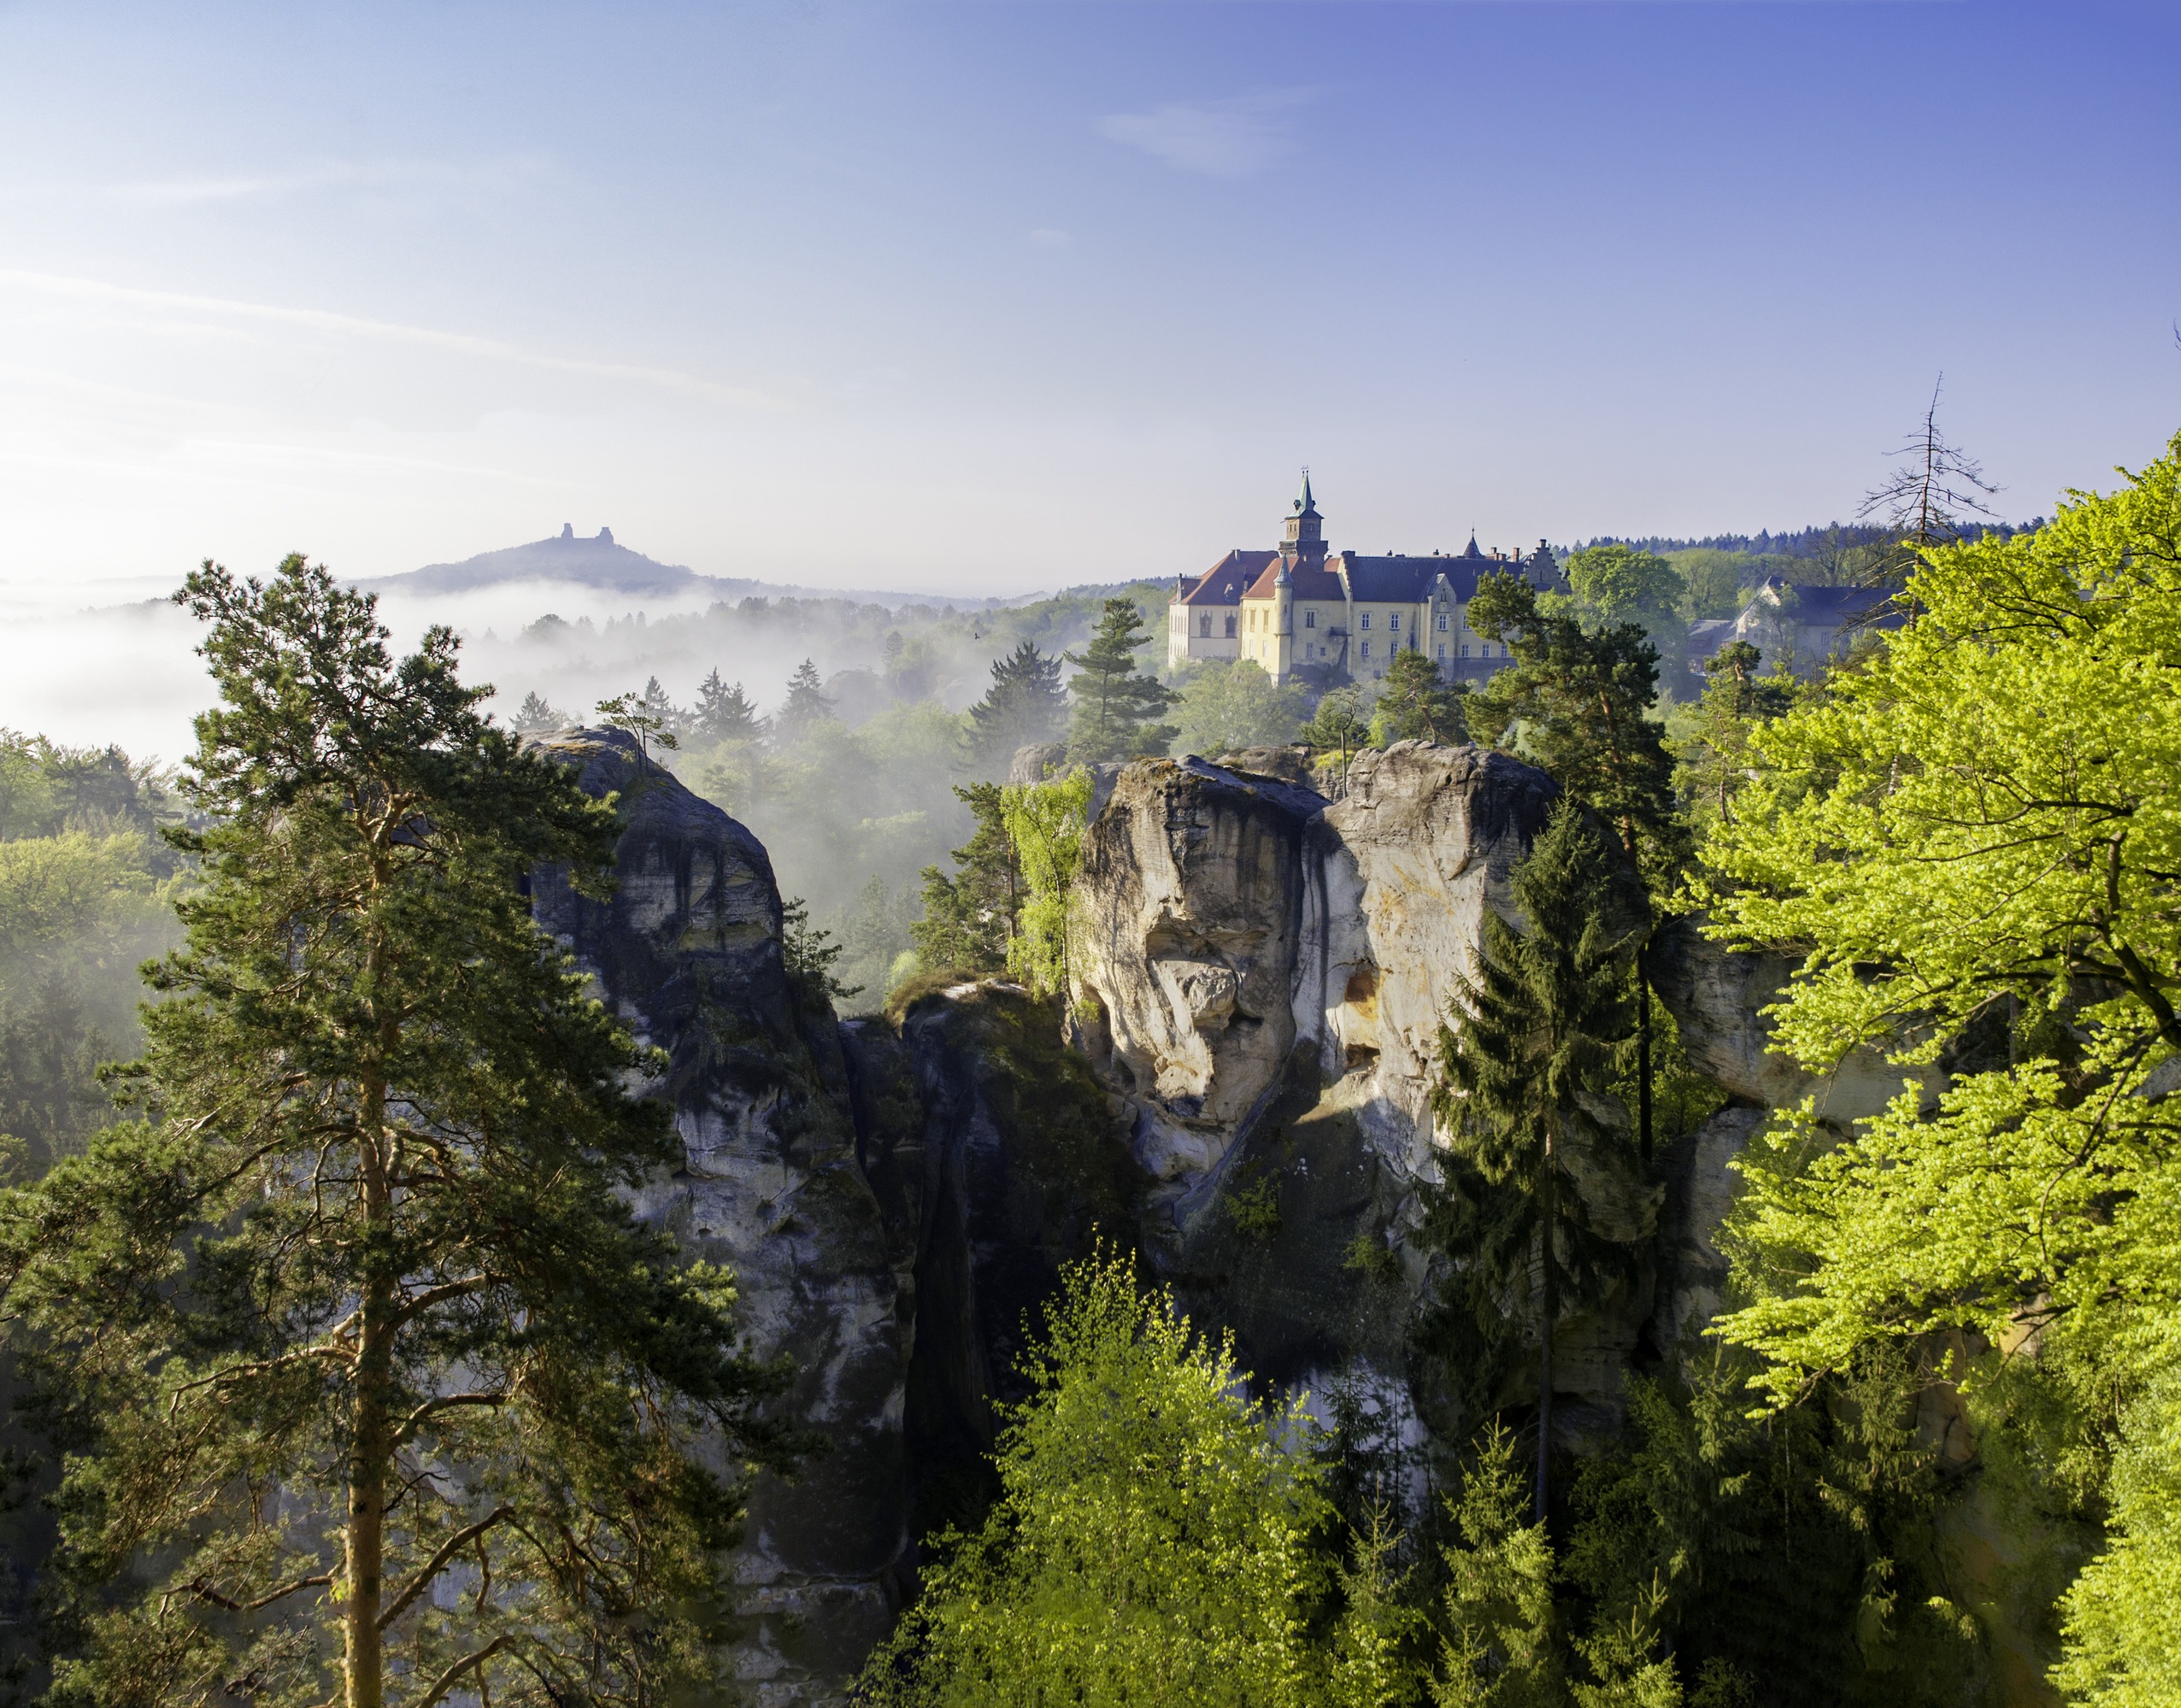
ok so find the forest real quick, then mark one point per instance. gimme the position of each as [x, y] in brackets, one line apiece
[341, 1370]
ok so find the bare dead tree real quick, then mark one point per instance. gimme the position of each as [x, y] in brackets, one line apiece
[1934, 495]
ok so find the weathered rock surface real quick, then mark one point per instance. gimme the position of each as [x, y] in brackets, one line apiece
[1262, 975]
[687, 951]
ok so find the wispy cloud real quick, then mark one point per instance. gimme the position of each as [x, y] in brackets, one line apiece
[325, 323]
[1229, 138]
[326, 175]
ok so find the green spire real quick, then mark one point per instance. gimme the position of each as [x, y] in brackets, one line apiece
[1304, 505]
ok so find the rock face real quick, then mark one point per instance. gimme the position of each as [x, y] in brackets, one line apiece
[688, 951]
[1257, 987]
[1262, 977]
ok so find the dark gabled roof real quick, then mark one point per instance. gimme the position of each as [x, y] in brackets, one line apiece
[1409, 580]
[1225, 582]
[1836, 605]
[1304, 583]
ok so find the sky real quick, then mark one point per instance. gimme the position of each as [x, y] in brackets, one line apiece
[991, 298]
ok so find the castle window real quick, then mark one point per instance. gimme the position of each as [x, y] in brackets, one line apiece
[1393, 622]
[1309, 620]
[1367, 623]
[1442, 631]
[1204, 627]
[1367, 645]
[1229, 633]
[1441, 649]
[1465, 649]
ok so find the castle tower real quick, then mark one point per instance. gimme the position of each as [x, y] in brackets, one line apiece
[1284, 617]
[1302, 543]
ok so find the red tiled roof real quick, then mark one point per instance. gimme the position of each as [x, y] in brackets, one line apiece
[1224, 582]
[1309, 584]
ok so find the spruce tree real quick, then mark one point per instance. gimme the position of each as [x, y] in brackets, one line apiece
[969, 917]
[371, 1387]
[1116, 706]
[1522, 1067]
[535, 716]
[1716, 759]
[1578, 701]
[807, 704]
[723, 712]
[1025, 703]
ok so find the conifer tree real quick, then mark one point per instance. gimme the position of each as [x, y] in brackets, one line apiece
[1502, 1649]
[1415, 705]
[1115, 704]
[1577, 702]
[807, 704]
[372, 1389]
[1522, 1067]
[535, 716]
[1716, 758]
[1025, 703]
[723, 712]
[970, 917]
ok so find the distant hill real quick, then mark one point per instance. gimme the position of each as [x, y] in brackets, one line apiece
[603, 564]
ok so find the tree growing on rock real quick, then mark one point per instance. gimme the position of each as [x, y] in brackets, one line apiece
[1117, 706]
[1524, 1060]
[1416, 705]
[970, 917]
[371, 1389]
[1577, 702]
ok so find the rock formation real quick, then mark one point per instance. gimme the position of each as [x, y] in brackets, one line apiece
[1257, 987]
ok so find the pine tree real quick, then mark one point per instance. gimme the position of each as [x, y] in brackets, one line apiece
[1337, 725]
[371, 1388]
[1522, 1067]
[638, 715]
[535, 716]
[1415, 705]
[970, 917]
[1115, 704]
[723, 712]
[807, 705]
[1025, 703]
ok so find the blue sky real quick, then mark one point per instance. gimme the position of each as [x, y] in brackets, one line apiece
[993, 297]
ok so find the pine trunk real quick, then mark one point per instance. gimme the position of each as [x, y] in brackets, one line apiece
[368, 1451]
[1642, 1057]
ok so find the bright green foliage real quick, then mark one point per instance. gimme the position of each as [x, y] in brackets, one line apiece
[1149, 1544]
[1045, 822]
[1715, 755]
[1974, 842]
[2123, 1613]
[1117, 706]
[969, 918]
[1529, 1049]
[1227, 707]
[1025, 703]
[1502, 1648]
[1373, 1663]
[723, 712]
[1415, 705]
[371, 1388]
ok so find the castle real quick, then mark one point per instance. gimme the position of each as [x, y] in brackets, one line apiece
[1298, 611]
